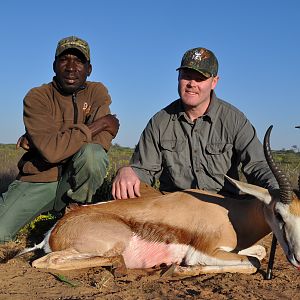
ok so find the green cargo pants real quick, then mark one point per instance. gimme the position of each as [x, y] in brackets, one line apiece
[24, 201]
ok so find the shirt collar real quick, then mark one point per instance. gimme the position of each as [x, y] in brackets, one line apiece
[210, 113]
[213, 107]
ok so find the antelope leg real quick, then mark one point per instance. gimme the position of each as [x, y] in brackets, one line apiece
[221, 262]
[257, 251]
[70, 259]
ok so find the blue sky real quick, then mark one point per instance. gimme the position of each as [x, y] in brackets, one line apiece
[136, 47]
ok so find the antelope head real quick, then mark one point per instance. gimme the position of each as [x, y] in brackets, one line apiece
[281, 207]
[285, 210]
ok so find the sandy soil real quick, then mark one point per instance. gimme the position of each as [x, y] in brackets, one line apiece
[20, 281]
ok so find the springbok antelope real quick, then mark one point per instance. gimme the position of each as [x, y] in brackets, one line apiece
[192, 230]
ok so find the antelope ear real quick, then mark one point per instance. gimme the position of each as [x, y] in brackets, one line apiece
[250, 189]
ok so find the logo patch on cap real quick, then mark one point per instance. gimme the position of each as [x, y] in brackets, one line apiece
[199, 55]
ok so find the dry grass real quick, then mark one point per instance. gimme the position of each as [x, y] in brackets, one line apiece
[119, 156]
[9, 157]
[289, 162]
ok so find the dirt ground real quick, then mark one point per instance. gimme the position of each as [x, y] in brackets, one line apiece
[20, 281]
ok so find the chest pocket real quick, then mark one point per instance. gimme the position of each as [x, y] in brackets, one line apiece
[219, 157]
[173, 145]
[174, 153]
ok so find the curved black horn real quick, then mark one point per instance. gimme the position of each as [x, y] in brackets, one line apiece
[283, 182]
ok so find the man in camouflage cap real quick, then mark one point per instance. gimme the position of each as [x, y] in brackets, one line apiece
[69, 130]
[195, 140]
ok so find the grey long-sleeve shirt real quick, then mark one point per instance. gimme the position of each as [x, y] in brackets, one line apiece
[184, 154]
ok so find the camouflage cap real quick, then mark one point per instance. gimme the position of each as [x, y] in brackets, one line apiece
[201, 60]
[73, 42]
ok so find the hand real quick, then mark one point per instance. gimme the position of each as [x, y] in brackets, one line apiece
[126, 184]
[23, 143]
[108, 123]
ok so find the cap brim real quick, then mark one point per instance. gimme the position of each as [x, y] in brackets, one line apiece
[207, 75]
[59, 52]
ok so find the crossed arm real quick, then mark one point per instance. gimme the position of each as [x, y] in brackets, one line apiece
[108, 123]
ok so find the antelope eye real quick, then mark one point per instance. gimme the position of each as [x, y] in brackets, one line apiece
[279, 217]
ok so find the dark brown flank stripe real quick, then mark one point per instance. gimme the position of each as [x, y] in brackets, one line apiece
[159, 232]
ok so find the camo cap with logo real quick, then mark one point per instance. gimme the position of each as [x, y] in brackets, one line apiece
[73, 42]
[201, 60]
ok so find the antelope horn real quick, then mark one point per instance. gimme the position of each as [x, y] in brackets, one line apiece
[283, 182]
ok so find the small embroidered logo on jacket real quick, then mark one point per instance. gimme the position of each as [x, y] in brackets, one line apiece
[86, 108]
